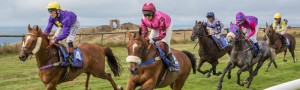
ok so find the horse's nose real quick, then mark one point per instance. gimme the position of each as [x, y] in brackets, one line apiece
[193, 38]
[133, 70]
[22, 58]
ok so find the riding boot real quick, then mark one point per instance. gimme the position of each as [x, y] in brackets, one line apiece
[221, 44]
[169, 55]
[71, 52]
[287, 42]
[257, 49]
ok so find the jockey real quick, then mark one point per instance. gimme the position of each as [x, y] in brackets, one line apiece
[214, 27]
[161, 29]
[67, 24]
[280, 26]
[250, 23]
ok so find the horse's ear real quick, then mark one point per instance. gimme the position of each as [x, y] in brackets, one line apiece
[231, 23]
[29, 28]
[140, 31]
[128, 33]
[267, 24]
[36, 27]
[196, 22]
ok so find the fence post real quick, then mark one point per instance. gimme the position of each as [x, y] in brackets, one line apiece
[125, 38]
[102, 39]
[184, 36]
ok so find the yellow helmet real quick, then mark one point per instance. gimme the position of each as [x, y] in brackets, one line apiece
[277, 15]
[53, 4]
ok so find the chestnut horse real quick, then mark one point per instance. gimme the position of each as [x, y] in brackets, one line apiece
[276, 42]
[149, 75]
[94, 60]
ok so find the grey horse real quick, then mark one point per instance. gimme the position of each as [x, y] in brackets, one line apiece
[242, 56]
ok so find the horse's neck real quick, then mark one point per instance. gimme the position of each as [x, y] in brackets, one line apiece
[149, 54]
[203, 41]
[46, 55]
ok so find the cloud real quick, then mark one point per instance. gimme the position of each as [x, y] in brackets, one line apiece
[183, 12]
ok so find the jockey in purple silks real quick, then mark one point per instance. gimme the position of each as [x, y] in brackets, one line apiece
[251, 28]
[161, 28]
[67, 24]
[214, 27]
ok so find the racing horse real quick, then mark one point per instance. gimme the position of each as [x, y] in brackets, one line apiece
[35, 43]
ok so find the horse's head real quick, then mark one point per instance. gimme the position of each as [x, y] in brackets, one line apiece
[199, 30]
[138, 48]
[235, 34]
[269, 31]
[31, 42]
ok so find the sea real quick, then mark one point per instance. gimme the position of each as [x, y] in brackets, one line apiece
[20, 30]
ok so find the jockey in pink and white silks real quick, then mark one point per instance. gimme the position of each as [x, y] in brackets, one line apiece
[161, 28]
[251, 28]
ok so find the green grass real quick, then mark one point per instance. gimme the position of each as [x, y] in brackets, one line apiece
[17, 75]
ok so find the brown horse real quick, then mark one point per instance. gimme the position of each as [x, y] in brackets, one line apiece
[154, 74]
[276, 42]
[94, 60]
[208, 51]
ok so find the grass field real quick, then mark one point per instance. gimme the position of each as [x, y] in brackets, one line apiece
[17, 75]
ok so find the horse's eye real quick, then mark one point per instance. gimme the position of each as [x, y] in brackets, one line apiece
[237, 31]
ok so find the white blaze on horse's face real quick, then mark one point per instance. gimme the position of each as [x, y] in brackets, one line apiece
[132, 58]
[24, 43]
[134, 46]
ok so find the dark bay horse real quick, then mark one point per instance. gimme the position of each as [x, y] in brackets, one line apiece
[152, 74]
[276, 42]
[208, 50]
[242, 56]
[93, 64]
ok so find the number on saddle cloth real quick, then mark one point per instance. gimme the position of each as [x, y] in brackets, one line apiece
[78, 59]
[164, 59]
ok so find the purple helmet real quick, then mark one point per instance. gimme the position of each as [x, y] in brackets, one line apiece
[240, 16]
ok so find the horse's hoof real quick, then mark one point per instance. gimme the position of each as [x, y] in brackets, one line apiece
[284, 60]
[229, 76]
[208, 75]
[241, 83]
[245, 82]
[219, 87]
[219, 73]
[119, 87]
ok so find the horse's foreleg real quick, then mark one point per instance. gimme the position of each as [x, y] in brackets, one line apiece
[208, 74]
[87, 81]
[214, 66]
[200, 65]
[219, 87]
[239, 72]
[50, 86]
[284, 56]
[255, 72]
[229, 71]
[130, 85]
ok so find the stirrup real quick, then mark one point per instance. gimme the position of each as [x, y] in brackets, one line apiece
[172, 68]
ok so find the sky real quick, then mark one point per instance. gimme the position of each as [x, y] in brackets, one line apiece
[183, 12]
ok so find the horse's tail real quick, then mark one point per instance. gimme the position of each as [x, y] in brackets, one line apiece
[192, 59]
[112, 61]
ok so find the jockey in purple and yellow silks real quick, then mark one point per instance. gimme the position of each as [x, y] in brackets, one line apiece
[161, 28]
[280, 25]
[67, 24]
[251, 28]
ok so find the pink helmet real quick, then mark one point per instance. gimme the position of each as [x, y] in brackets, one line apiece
[149, 6]
[240, 16]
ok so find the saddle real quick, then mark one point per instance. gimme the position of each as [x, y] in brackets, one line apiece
[220, 43]
[166, 62]
[75, 60]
